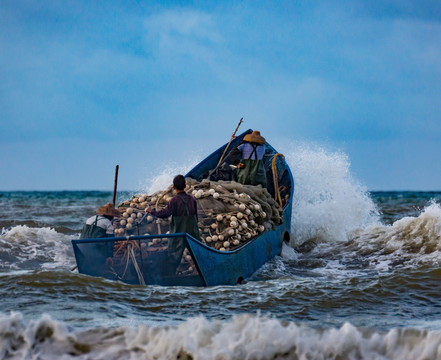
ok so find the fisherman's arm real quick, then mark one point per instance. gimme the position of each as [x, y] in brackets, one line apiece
[235, 155]
[164, 213]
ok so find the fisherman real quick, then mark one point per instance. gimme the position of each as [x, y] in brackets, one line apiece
[100, 225]
[184, 212]
[248, 157]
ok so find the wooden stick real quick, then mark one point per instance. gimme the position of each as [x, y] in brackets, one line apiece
[115, 185]
[226, 148]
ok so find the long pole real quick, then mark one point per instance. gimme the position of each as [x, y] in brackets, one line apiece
[226, 148]
[115, 185]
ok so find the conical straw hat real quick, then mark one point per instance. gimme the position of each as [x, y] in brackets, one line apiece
[255, 137]
[108, 210]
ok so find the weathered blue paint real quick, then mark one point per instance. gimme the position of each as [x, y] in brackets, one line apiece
[214, 267]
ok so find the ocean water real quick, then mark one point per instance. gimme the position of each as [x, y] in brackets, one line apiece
[361, 279]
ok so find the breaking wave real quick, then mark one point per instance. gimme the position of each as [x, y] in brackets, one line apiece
[411, 242]
[328, 202]
[408, 241]
[23, 247]
[241, 337]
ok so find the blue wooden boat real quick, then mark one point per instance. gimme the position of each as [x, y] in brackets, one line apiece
[143, 265]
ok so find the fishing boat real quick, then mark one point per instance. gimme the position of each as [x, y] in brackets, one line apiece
[146, 265]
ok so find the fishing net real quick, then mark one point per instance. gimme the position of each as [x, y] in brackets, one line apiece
[229, 214]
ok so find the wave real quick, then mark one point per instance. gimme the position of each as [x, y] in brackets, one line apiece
[328, 202]
[413, 242]
[8, 224]
[23, 247]
[334, 217]
[241, 337]
[408, 241]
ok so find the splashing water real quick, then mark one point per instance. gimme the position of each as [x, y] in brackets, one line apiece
[328, 203]
[164, 177]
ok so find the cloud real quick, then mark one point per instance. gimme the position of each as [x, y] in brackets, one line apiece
[180, 32]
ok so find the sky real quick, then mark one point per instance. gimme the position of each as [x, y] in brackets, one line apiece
[151, 85]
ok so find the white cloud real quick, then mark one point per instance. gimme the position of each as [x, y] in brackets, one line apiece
[182, 32]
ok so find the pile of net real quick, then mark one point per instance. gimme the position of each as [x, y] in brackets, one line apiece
[229, 214]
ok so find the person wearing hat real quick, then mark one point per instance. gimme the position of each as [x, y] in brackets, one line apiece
[248, 157]
[184, 212]
[100, 225]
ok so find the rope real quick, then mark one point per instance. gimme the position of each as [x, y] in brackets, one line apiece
[113, 271]
[276, 179]
[164, 192]
[135, 264]
[130, 256]
[127, 265]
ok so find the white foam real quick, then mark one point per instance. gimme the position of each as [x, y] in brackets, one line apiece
[288, 252]
[328, 202]
[409, 241]
[42, 246]
[241, 337]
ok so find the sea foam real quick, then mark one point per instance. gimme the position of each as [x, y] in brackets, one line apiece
[23, 247]
[241, 337]
[409, 241]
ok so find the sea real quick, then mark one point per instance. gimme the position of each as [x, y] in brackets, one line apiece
[360, 279]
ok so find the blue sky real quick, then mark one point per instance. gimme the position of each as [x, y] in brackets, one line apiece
[144, 84]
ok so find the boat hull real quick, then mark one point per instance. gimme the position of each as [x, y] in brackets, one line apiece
[233, 267]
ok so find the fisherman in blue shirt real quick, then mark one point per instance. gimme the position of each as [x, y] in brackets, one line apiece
[250, 168]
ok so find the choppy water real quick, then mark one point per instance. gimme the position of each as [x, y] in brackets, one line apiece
[360, 280]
